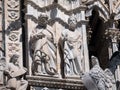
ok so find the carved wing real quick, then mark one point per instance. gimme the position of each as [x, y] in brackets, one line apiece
[110, 80]
[95, 79]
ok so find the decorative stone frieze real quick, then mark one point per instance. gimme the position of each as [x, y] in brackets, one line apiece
[57, 22]
[12, 29]
[55, 83]
[49, 55]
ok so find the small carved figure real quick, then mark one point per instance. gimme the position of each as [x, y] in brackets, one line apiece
[44, 48]
[72, 48]
[14, 72]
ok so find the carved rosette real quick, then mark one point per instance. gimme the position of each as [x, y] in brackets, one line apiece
[13, 34]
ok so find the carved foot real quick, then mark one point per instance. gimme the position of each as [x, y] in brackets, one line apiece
[37, 73]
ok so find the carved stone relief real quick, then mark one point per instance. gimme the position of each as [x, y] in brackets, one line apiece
[43, 48]
[13, 37]
[14, 73]
[13, 14]
[39, 58]
[72, 49]
[13, 44]
[100, 79]
[13, 48]
[13, 3]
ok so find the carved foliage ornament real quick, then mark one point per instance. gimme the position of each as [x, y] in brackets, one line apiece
[112, 33]
[13, 37]
[13, 14]
[13, 48]
[13, 3]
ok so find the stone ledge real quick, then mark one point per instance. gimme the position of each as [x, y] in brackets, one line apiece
[52, 82]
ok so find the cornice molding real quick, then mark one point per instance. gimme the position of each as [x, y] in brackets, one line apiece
[75, 84]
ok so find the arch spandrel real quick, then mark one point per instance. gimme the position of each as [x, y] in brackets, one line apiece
[98, 6]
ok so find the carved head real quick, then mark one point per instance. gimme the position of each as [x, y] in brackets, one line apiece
[42, 19]
[94, 60]
[14, 59]
[72, 21]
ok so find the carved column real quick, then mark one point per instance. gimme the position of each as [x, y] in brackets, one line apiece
[1, 32]
[85, 45]
[113, 35]
[2, 60]
[13, 31]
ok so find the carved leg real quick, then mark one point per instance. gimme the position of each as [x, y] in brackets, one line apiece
[18, 83]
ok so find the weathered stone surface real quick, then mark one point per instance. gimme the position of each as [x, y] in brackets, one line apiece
[97, 25]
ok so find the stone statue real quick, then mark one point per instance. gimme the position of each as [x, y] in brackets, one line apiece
[98, 75]
[99, 79]
[43, 47]
[72, 48]
[15, 73]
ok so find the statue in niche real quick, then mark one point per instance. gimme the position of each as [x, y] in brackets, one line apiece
[72, 49]
[99, 79]
[43, 48]
[15, 74]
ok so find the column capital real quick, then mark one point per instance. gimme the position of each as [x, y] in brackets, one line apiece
[112, 33]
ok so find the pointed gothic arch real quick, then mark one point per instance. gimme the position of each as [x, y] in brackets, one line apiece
[97, 43]
[103, 11]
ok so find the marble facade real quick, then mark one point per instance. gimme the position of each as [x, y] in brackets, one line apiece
[56, 38]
